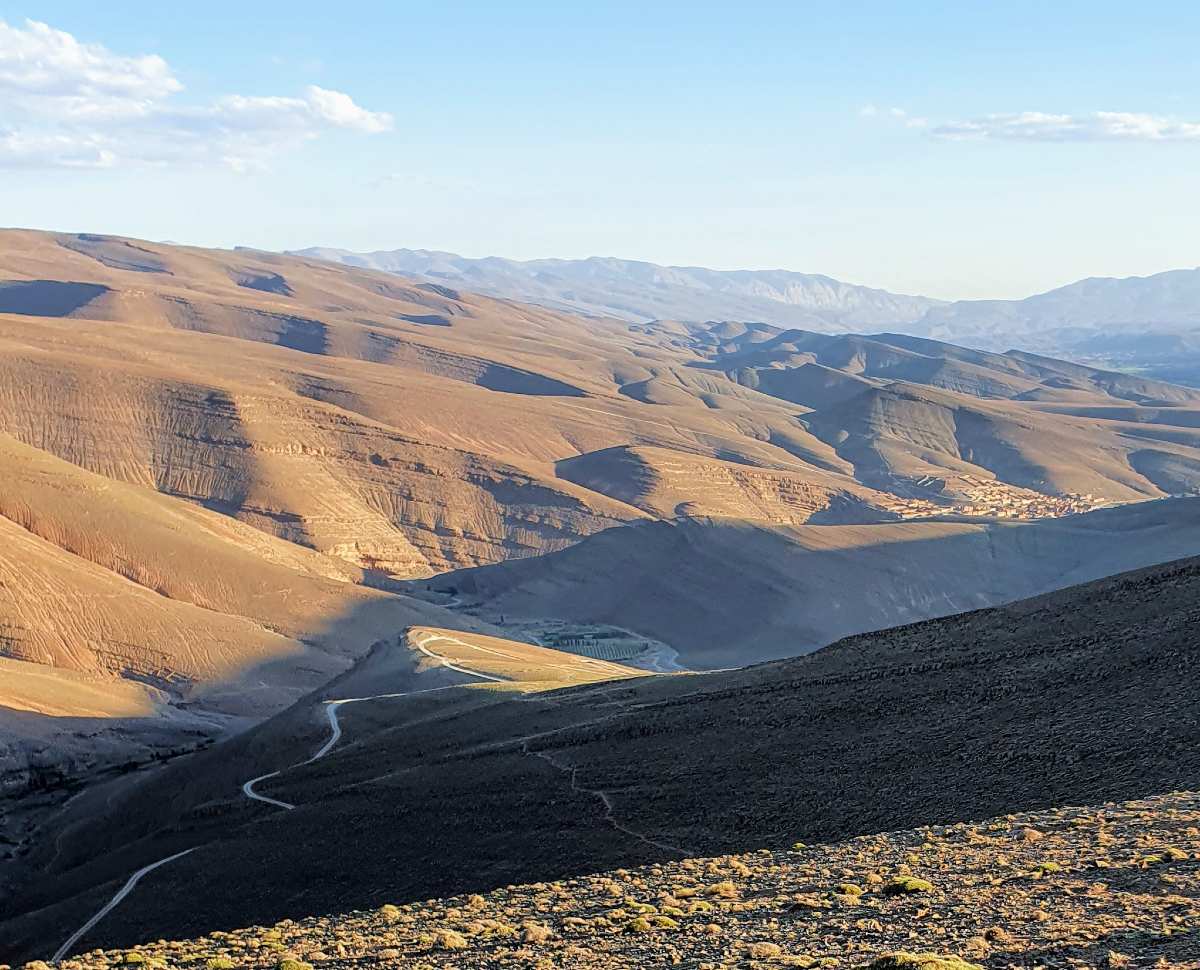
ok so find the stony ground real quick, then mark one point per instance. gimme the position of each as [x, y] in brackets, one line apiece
[1110, 886]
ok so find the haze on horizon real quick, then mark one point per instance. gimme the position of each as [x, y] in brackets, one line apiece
[942, 151]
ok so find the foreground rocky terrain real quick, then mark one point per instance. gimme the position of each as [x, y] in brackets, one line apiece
[1112, 885]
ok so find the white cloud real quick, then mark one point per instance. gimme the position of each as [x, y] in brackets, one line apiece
[337, 109]
[899, 115]
[25, 150]
[910, 121]
[1099, 126]
[40, 60]
[64, 103]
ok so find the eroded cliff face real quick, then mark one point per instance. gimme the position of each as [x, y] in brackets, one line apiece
[297, 469]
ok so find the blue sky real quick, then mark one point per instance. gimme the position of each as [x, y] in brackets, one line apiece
[959, 150]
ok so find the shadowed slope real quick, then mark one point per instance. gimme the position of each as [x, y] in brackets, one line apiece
[1079, 696]
[726, 592]
[1012, 891]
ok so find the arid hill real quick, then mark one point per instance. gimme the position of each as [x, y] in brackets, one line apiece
[1075, 697]
[219, 466]
[133, 622]
[1143, 324]
[1113, 885]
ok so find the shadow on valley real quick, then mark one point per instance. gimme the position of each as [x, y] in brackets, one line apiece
[47, 298]
[1074, 697]
[801, 587]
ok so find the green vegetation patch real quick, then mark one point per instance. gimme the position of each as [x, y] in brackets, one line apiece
[907, 885]
[921, 961]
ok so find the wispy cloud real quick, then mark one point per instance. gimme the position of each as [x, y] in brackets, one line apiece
[1098, 126]
[68, 104]
[899, 115]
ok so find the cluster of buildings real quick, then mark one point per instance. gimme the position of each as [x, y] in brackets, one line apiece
[967, 495]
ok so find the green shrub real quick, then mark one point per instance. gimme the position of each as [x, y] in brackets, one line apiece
[450, 940]
[648, 924]
[907, 885]
[219, 963]
[921, 961]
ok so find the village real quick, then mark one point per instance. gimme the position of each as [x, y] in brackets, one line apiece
[988, 498]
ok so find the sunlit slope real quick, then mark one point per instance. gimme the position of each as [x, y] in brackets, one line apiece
[63, 611]
[299, 469]
[162, 557]
[433, 449]
[407, 428]
[898, 409]
[512, 664]
[56, 693]
[908, 432]
[668, 484]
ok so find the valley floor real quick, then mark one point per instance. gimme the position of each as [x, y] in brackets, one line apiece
[1116, 885]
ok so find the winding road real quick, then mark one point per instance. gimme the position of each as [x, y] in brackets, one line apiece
[114, 902]
[421, 642]
[335, 735]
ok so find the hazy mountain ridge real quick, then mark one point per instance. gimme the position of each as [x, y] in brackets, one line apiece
[640, 291]
[1162, 301]
[1148, 324]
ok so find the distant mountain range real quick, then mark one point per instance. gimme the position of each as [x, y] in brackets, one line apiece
[1150, 325]
[630, 290]
[1164, 302]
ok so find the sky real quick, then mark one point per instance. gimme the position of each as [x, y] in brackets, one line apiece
[957, 150]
